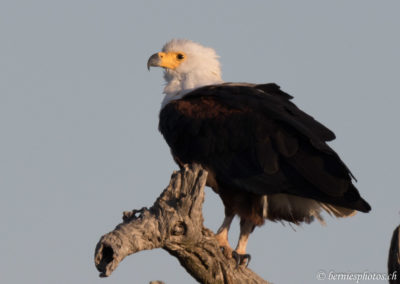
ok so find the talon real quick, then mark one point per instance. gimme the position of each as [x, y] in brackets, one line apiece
[241, 259]
[248, 257]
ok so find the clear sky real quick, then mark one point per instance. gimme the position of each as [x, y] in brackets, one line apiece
[78, 126]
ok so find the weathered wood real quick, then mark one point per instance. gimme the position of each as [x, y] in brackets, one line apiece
[174, 223]
[394, 257]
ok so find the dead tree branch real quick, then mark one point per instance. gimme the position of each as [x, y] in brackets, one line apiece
[174, 223]
[394, 257]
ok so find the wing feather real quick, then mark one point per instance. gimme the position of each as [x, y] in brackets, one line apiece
[255, 139]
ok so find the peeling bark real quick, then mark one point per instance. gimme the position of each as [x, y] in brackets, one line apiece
[174, 223]
[394, 257]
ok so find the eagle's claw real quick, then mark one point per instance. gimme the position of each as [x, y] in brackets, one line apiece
[241, 258]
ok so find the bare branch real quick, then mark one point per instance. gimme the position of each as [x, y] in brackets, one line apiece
[174, 223]
[394, 257]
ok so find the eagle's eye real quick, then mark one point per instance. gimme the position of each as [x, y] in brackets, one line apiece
[179, 56]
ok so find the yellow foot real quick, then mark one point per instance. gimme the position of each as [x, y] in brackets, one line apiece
[224, 245]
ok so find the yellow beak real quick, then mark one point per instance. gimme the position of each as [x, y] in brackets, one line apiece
[170, 60]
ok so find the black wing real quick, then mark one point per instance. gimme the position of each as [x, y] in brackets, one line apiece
[255, 139]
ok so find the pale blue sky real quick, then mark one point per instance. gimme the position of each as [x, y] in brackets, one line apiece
[78, 122]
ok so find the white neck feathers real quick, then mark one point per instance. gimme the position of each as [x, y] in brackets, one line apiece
[179, 85]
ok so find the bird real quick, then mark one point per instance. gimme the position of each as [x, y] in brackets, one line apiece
[266, 158]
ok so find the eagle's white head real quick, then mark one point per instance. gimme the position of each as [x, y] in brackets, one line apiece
[188, 65]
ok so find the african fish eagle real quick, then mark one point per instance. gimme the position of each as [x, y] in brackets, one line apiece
[265, 157]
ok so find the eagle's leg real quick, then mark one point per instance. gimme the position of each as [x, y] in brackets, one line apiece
[222, 235]
[246, 228]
